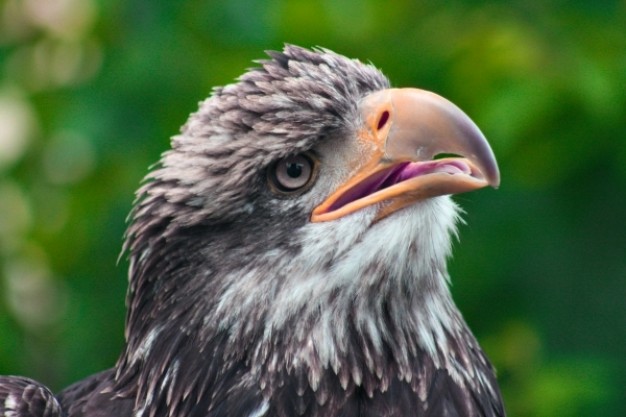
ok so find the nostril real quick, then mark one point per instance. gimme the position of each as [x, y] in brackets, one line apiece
[384, 118]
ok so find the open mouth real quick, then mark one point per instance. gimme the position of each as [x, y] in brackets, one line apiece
[383, 180]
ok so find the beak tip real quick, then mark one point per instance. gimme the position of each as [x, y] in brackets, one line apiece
[494, 180]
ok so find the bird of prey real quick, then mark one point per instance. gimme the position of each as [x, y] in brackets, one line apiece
[288, 258]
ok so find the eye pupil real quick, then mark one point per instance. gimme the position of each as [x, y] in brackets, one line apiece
[291, 174]
[294, 170]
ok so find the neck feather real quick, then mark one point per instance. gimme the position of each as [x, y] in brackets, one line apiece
[369, 304]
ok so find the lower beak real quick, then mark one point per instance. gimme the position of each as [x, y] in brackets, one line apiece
[406, 131]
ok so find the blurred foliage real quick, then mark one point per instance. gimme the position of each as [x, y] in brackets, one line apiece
[90, 92]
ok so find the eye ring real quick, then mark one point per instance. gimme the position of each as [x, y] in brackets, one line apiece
[292, 174]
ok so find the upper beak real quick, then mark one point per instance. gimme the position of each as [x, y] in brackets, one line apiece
[403, 130]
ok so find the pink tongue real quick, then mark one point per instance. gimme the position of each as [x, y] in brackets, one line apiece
[415, 169]
[399, 173]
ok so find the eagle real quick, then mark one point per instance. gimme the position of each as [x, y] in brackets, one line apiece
[287, 257]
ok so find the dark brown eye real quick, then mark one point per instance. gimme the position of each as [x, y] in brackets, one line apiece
[293, 173]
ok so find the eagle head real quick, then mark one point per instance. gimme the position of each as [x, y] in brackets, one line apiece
[289, 251]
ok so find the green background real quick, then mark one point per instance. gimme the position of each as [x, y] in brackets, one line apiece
[91, 91]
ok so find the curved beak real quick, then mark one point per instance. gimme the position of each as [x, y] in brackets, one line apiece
[405, 133]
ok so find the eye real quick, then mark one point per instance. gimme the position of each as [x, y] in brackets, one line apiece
[292, 174]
